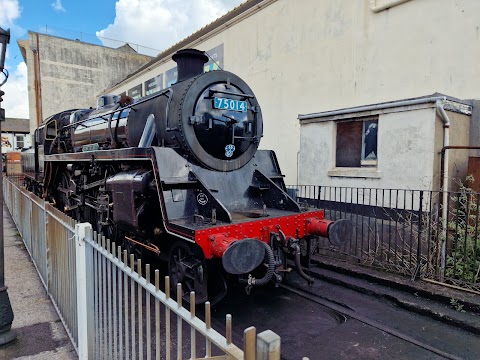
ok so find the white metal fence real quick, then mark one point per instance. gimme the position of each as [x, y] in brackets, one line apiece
[109, 310]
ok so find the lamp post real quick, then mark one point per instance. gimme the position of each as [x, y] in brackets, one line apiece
[6, 314]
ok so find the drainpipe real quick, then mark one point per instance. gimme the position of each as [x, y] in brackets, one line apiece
[298, 156]
[446, 142]
[37, 83]
[40, 105]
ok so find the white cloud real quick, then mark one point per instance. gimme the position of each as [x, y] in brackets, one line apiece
[10, 10]
[15, 100]
[161, 23]
[57, 6]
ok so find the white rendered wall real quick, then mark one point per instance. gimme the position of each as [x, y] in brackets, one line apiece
[308, 56]
[406, 152]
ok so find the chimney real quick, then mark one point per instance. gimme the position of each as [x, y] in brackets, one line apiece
[189, 63]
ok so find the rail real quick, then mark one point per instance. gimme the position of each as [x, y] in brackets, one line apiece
[402, 230]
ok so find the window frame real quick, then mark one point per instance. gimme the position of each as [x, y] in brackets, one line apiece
[22, 141]
[369, 162]
[363, 163]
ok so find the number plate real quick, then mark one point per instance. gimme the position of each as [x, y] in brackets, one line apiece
[91, 147]
[229, 104]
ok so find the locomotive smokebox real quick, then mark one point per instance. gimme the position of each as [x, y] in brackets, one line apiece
[189, 63]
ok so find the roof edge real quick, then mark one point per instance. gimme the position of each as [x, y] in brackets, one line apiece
[393, 104]
[77, 41]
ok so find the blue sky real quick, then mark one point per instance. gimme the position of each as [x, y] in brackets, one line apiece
[40, 15]
[153, 24]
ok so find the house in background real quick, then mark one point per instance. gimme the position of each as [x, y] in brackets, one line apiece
[15, 134]
[403, 144]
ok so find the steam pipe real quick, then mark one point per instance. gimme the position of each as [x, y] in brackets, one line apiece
[271, 267]
[298, 264]
[113, 140]
[444, 187]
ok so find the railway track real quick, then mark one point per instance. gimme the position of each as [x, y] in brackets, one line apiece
[331, 321]
[352, 314]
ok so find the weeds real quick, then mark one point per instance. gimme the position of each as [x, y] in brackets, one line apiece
[462, 236]
[457, 305]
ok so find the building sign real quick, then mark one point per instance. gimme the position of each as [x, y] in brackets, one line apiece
[215, 59]
[171, 76]
[7, 142]
[215, 62]
[135, 92]
[154, 85]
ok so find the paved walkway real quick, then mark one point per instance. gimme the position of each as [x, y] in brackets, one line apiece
[40, 333]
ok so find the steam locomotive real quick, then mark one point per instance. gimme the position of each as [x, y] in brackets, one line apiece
[178, 175]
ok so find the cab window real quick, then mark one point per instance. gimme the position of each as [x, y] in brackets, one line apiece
[51, 130]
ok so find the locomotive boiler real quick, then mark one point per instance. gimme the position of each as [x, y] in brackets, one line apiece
[178, 175]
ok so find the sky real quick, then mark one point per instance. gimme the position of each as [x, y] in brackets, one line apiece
[149, 25]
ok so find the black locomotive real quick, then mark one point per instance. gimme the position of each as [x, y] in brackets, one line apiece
[178, 174]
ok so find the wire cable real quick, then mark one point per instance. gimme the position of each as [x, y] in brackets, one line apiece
[5, 73]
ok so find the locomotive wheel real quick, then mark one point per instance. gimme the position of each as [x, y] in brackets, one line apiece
[185, 268]
[108, 231]
[217, 285]
[63, 199]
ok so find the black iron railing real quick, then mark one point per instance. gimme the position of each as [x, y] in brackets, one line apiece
[406, 231]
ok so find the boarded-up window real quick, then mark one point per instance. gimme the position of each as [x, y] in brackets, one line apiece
[357, 143]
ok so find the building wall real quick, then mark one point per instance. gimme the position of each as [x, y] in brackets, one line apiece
[410, 141]
[330, 54]
[65, 74]
[458, 159]
[406, 144]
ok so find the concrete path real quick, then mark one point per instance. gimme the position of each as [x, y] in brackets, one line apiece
[40, 333]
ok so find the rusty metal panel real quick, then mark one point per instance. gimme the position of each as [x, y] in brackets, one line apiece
[349, 144]
[474, 170]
